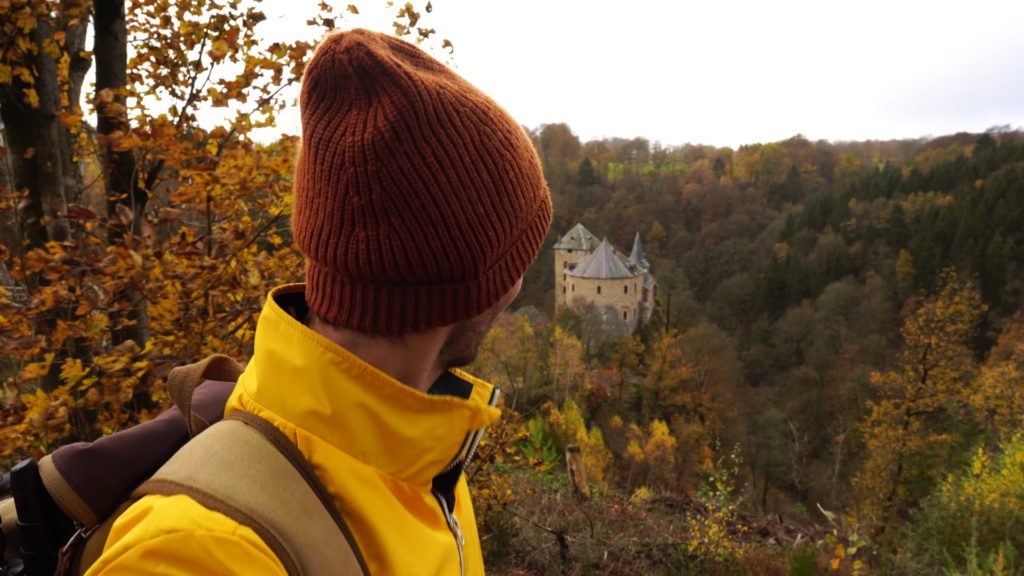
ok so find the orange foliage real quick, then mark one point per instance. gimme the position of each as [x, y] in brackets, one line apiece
[94, 315]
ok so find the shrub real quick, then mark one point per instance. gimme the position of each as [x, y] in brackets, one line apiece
[982, 506]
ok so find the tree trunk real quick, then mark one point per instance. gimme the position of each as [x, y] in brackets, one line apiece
[38, 156]
[122, 186]
[74, 44]
[35, 147]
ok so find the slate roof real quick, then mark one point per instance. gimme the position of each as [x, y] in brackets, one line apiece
[602, 264]
[577, 238]
[637, 256]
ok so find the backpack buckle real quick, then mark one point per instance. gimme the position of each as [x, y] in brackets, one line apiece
[70, 550]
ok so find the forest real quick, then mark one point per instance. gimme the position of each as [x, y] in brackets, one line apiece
[837, 345]
[831, 382]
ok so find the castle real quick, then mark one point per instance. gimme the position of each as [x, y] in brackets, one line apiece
[589, 272]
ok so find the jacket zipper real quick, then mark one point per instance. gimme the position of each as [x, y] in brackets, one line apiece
[453, 525]
[463, 457]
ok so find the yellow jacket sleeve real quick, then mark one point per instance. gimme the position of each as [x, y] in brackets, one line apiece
[174, 535]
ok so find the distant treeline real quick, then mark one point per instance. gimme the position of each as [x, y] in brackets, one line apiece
[842, 318]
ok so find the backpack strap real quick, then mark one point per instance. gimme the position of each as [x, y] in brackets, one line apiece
[183, 380]
[88, 480]
[246, 469]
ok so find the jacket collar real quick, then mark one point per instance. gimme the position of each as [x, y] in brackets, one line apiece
[324, 390]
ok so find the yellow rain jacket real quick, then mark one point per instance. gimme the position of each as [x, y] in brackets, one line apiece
[390, 456]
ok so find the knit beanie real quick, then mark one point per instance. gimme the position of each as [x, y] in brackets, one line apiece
[419, 202]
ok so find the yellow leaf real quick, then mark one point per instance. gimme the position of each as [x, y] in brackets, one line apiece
[31, 97]
[72, 371]
[26, 22]
[352, 8]
[6, 74]
[84, 306]
[24, 73]
[51, 48]
[127, 143]
[70, 119]
[37, 369]
[219, 50]
[834, 564]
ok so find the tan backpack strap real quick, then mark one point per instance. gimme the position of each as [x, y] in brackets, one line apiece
[64, 495]
[235, 469]
[94, 541]
[183, 380]
[9, 527]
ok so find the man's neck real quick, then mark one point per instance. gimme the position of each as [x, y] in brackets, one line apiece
[412, 359]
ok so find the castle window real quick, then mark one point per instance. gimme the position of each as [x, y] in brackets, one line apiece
[598, 289]
[634, 287]
[573, 287]
[625, 313]
[563, 289]
[625, 289]
[565, 264]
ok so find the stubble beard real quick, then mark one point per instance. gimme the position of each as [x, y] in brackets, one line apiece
[463, 343]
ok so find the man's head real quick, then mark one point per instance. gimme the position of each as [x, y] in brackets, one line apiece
[463, 341]
[419, 202]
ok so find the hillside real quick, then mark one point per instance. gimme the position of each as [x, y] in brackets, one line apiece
[838, 328]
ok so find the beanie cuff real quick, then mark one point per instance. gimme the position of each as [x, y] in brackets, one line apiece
[374, 307]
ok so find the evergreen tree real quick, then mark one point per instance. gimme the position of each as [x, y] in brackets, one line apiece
[585, 174]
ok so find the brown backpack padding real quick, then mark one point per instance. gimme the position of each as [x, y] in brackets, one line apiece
[246, 469]
[89, 480]
[242, 467]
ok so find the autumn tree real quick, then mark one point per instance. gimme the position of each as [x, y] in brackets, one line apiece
[565, 363]
[626, 356]
[509, 357]
[910, 432]
[662, 392]
[570, 428]
[165, 253]
[715, 380]
[998, 396]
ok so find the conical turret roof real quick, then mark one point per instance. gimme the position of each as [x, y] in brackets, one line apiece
[602, 264]
[577, 238]
[637, 256]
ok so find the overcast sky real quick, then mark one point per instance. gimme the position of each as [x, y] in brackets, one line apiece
[736, 72]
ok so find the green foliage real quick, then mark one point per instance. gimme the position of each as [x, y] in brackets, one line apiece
[803, 561]
[977, 514]
[709, 535]
[1000, 562]
[539, 447]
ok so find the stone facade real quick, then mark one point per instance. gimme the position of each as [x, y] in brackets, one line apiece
[588, 273]
[574, 246]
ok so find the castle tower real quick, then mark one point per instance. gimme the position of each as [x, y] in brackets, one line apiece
[574, 246]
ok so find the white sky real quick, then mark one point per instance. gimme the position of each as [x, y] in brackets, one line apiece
[734, 72]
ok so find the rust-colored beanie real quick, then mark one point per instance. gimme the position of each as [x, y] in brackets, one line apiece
[419, 202]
